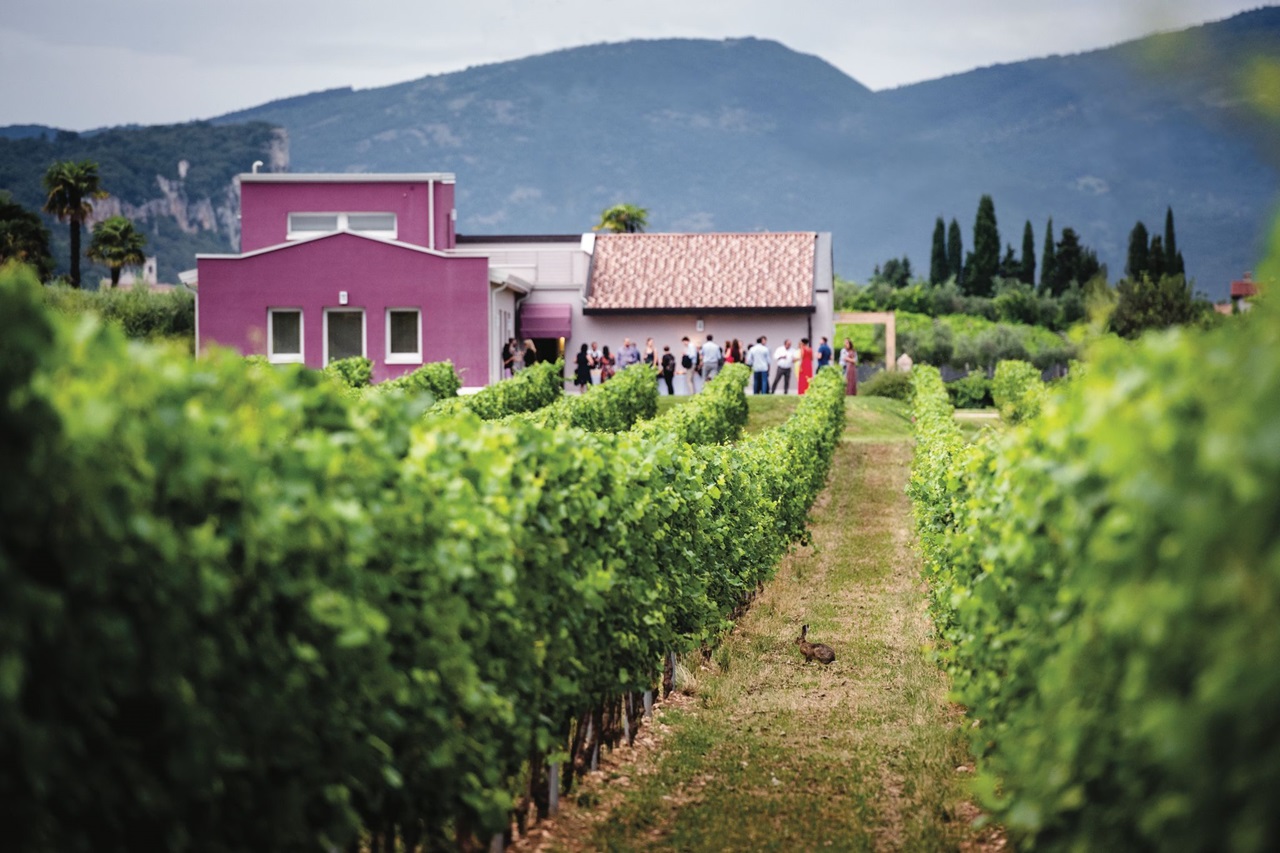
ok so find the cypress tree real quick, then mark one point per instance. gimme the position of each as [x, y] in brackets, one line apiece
[1172, 257]
[1028, 273]
[1010, 266]
[1067, 262]
[955, 252]
[986, 249]
[938, 268]
[1157, 268]
[1049, 261]
[1139, 259]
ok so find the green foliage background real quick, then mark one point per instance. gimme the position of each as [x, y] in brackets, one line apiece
[959, 339]
[139, 312]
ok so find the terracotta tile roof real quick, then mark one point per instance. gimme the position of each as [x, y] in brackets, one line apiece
[708, 271]
[1244, 288]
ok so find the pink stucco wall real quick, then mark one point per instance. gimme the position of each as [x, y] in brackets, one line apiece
[452, 292]
[265, 205]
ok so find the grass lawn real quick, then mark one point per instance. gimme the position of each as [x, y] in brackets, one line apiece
[764, 751]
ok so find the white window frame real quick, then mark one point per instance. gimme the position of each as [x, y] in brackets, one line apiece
[364, 330]
[404, 357]
[344, 223]
[300, 356]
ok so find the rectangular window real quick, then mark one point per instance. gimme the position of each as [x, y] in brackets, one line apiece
[313, 224]
[284, 335]
[308, 224]
[343, 334]
[372, 222]
[404, 336]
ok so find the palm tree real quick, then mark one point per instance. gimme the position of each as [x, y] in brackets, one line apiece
[72, 187]
[623, 219]
[117, 244]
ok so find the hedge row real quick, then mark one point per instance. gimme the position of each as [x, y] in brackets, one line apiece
[526, 391]
[715, 415]
[534, 387]
[613, 406]
[240, 610]
[1106, 584]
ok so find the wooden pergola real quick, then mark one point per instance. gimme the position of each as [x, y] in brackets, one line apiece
[877, 318]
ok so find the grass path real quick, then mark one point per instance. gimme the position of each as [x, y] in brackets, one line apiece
[768, 752]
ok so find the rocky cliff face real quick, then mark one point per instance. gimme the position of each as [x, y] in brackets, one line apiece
[216, 214]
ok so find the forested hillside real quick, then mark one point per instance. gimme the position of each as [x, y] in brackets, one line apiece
[747, 135]
[175, 182]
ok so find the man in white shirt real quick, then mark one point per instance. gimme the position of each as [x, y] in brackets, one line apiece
[712, 358]
[784, 356]
[758, 360]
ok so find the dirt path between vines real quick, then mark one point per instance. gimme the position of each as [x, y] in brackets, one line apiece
[768, 752]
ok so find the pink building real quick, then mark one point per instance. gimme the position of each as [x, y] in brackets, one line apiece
[339, 265]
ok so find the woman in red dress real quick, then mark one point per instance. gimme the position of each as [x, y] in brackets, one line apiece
[806, 365]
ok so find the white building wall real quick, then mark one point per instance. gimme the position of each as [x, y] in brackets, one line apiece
[558, 272]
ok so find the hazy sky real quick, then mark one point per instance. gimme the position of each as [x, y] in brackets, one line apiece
[91, 63]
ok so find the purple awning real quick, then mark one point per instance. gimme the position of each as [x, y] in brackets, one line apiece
[545, 320]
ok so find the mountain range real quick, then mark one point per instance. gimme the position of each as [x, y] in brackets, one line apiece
[747, 135]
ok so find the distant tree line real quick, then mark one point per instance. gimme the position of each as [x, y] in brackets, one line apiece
[980, 272]
[1004, 286]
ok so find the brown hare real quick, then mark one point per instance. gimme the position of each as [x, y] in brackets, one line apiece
[814, 651]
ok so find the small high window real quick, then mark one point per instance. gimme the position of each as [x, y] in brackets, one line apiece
[306, 224]
[404, 336]
[313, 224]
[284, 335]
[370, 223]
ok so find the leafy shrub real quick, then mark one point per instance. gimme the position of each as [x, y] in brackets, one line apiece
[970, 392]
[437, 379]
[1017, 390]
[894, 384]
[353, 372]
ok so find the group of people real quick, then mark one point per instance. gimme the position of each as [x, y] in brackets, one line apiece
[517, 356]
[688, 361]
[786, 358]
[699, 364]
